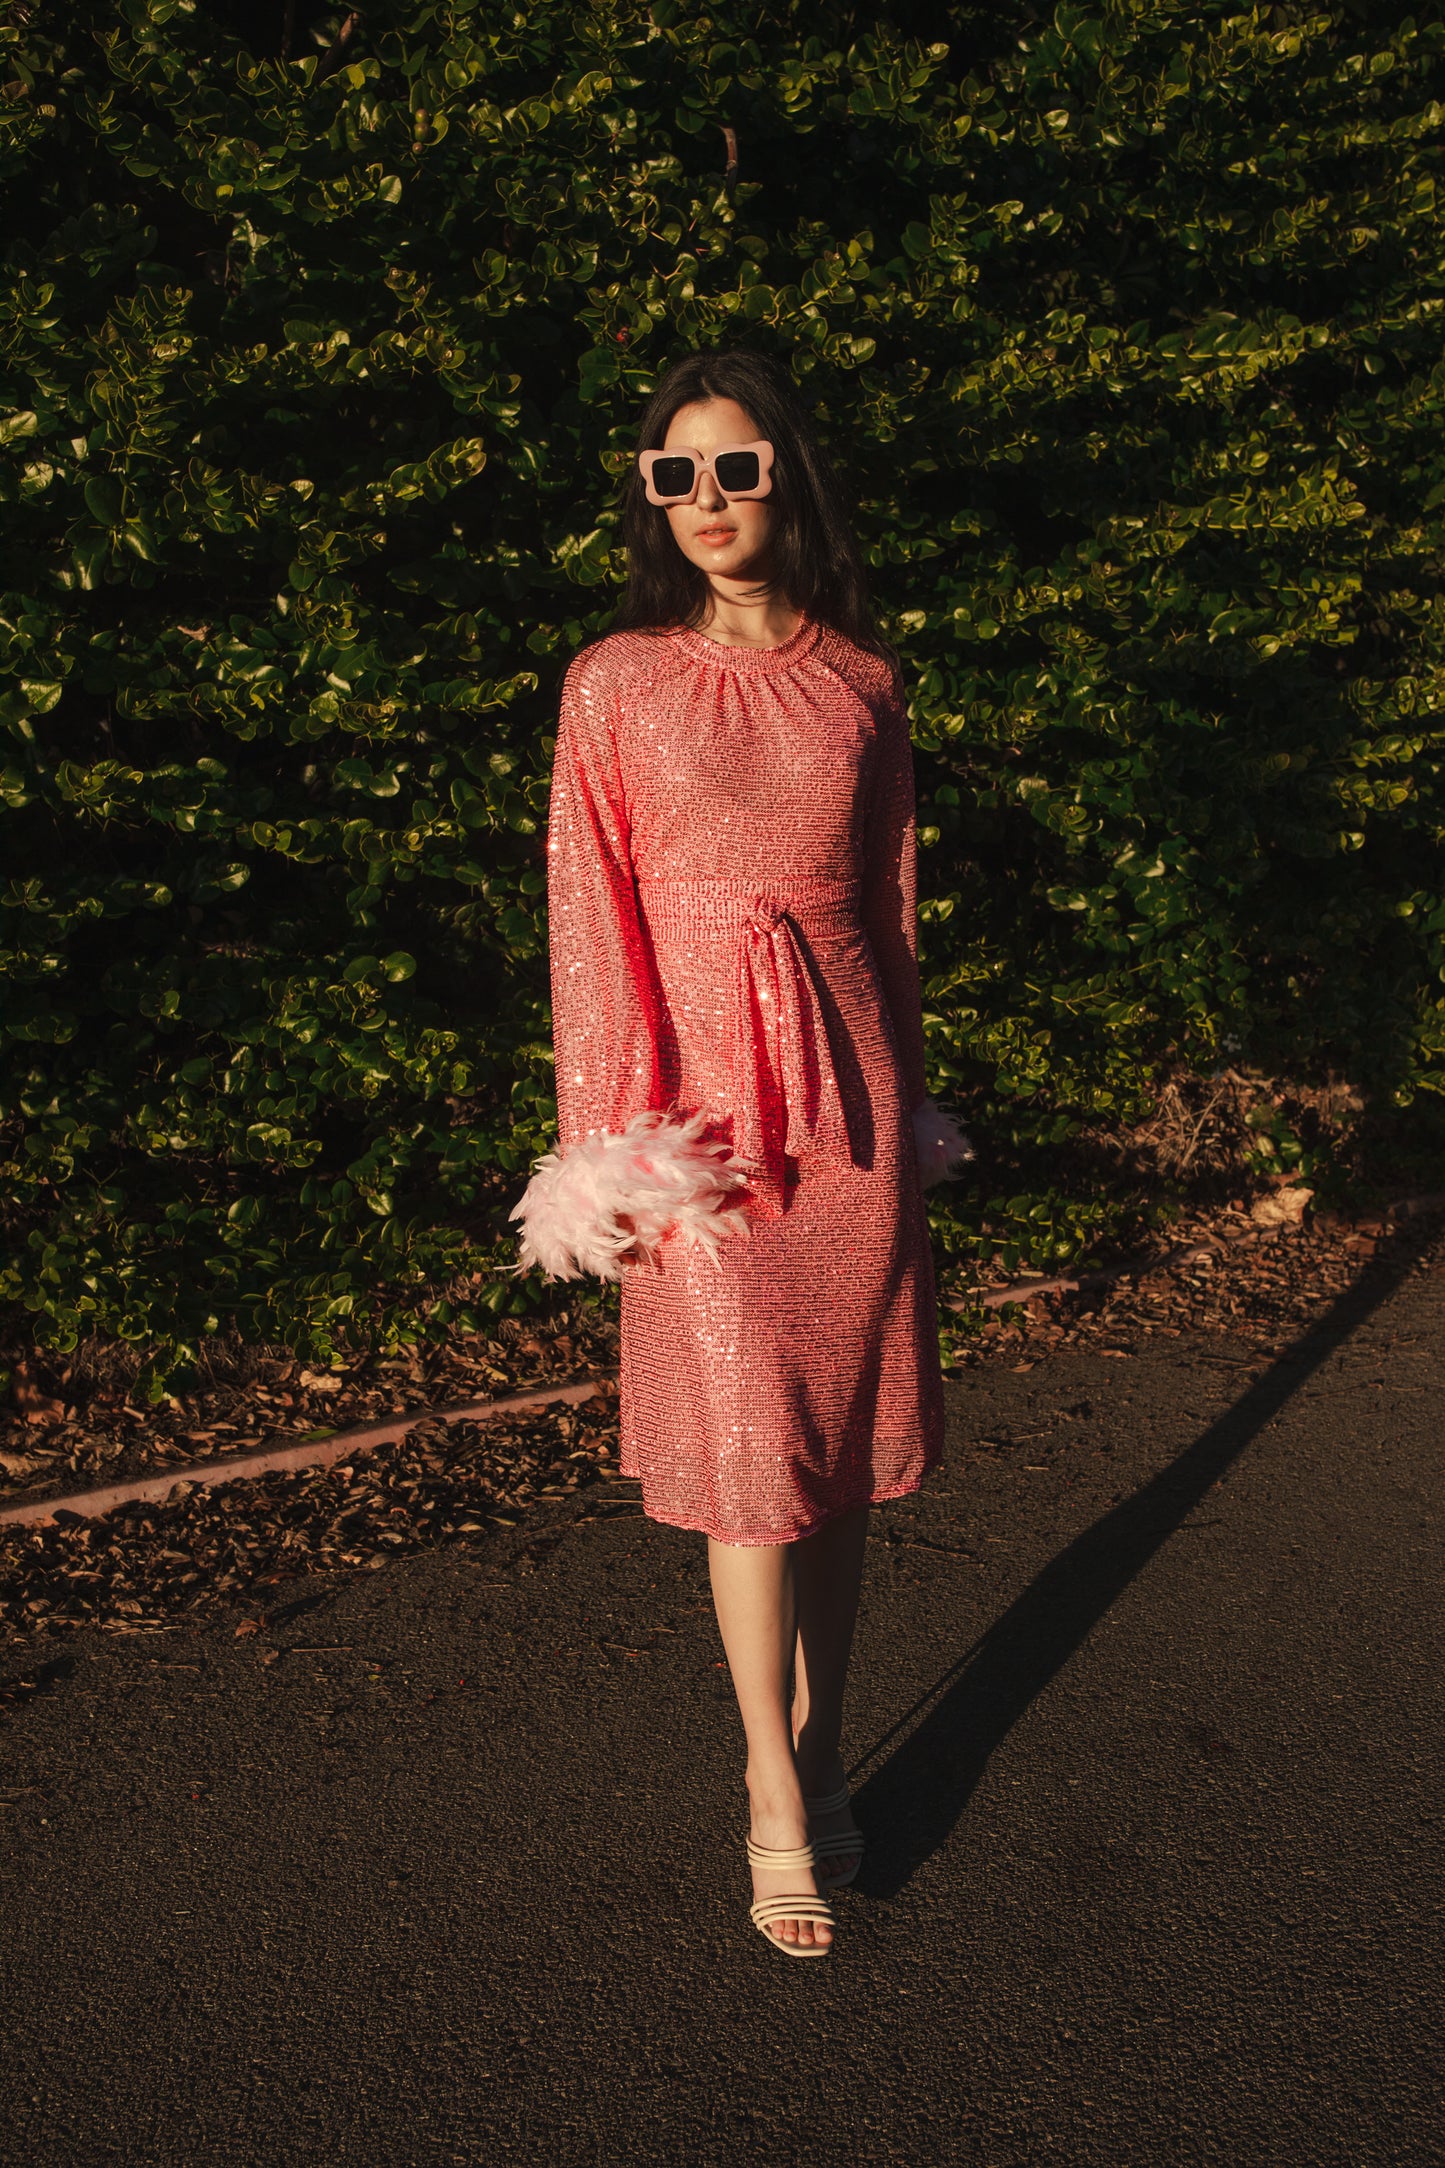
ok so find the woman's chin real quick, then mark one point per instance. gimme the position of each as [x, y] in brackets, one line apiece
[728, 562]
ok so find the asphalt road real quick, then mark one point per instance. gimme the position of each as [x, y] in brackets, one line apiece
[1149, 1709]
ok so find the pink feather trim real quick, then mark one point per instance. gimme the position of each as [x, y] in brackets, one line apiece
[943, 1149]
[607, 1202]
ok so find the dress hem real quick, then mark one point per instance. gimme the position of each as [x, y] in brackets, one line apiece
[801, 1535]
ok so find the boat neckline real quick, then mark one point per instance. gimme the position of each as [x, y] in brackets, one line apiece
[729, 656]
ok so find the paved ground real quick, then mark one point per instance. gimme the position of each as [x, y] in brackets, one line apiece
[1150, 1711]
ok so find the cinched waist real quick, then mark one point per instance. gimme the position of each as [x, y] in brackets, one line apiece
[786, 1100]
[821, 910]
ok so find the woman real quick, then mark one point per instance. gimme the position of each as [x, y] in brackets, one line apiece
[739, 1051]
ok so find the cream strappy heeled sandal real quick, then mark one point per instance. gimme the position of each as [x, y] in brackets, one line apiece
[841, 1843]
[805, 1906]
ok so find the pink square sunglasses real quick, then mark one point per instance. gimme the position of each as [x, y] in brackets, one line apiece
[675, 475]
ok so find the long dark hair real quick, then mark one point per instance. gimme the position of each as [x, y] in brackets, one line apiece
[814, 560]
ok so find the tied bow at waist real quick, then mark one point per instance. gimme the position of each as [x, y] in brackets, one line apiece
[783, 1094]
[787, 1104]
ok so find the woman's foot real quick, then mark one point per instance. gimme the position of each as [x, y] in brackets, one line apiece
[780, 1823]
[841, 1864]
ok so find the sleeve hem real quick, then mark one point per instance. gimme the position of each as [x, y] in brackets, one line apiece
[942, 1148]
[606, 1203]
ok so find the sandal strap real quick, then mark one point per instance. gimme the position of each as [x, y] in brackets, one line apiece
[847, 1840]
[800, 1855]
[833, 1804]
[768, 1909]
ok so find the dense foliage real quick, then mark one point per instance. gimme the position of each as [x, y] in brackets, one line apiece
[317, 369]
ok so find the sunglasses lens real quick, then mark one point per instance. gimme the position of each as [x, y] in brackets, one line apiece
[737, 472]
[673, 477]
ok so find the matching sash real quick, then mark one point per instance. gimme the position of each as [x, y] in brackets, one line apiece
[786, 1102]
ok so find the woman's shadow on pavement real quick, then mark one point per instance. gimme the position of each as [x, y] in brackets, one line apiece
[922, 1789]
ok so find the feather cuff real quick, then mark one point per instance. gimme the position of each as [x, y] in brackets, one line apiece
[943, 1149]
[607, 1202]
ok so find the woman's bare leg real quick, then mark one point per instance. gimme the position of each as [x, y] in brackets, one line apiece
[828, 1575]
[754, 1591]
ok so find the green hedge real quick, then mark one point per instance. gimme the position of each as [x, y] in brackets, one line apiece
[318, 373]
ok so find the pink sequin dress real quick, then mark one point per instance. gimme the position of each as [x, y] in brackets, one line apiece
[733, 933]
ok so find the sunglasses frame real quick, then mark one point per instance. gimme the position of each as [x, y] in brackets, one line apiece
[647, 461]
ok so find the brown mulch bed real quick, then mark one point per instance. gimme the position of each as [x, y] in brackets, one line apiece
[145, 1567]
[75, 1426]
[70, 1427]
[1261, 1287]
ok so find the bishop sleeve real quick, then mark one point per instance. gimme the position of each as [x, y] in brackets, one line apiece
[604, 991]
[626, 1174]
[890, 914]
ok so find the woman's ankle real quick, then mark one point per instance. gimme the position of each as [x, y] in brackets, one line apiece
[820, 1765]
[774, 1791]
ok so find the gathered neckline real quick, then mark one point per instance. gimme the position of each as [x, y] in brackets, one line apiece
[726, 656]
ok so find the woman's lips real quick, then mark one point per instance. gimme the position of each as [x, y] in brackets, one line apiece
[716, 534]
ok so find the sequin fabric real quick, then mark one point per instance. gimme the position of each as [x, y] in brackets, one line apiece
[733, 930]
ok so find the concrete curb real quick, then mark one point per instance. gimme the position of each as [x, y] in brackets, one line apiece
[305, 1453]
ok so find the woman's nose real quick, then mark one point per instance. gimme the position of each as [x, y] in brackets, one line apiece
[709, 497]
